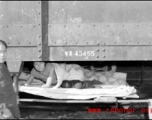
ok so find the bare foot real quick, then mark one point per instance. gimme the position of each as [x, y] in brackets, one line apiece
[45, 86]
[55, 87]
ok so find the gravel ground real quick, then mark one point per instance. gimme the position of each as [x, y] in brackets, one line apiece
[49, 114]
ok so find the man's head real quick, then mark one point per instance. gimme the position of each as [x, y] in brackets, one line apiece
[39, 66]
[3, 51]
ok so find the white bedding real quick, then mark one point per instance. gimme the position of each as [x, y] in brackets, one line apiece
[72, 93]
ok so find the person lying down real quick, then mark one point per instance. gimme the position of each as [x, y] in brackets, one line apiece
[70, 76]
[59, 75]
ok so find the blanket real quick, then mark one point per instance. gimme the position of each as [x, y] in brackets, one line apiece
[72, 93]
[68, 72]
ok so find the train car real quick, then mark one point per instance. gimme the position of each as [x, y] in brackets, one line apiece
[75, 31]
[88, 31]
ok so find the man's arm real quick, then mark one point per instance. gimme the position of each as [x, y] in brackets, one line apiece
[34, 74]
[29, 81]
[31, 77]
[52, 74]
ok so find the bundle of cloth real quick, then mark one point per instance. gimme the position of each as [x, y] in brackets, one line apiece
[5, 113]
[72, 73]
[107, 77]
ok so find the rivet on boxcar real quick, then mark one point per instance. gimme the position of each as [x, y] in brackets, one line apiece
[138, 42]
[104, 56]
[97, 50]
[29, 42]
[115, 42]
[54, 42]
[65, 42]
[126, 42]
[39, 13]
[86, 42]
[98, 43]
[34, 26]
[21, 26]
[149, 42]
[7, 26]
[76, 42]
[103, 49]
[104, 43]
[8, 43]
[98, 56]
[18, 42]
[123, 25]
[94, 25]
[40, 56]
[39, 50]
[137, 25]
[108, 25]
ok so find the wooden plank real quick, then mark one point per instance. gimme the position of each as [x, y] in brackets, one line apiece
[81, 101]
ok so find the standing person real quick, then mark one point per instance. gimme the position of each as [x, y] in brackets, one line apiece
[7, 93]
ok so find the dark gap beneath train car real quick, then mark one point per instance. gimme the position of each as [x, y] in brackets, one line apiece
[139, 73]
